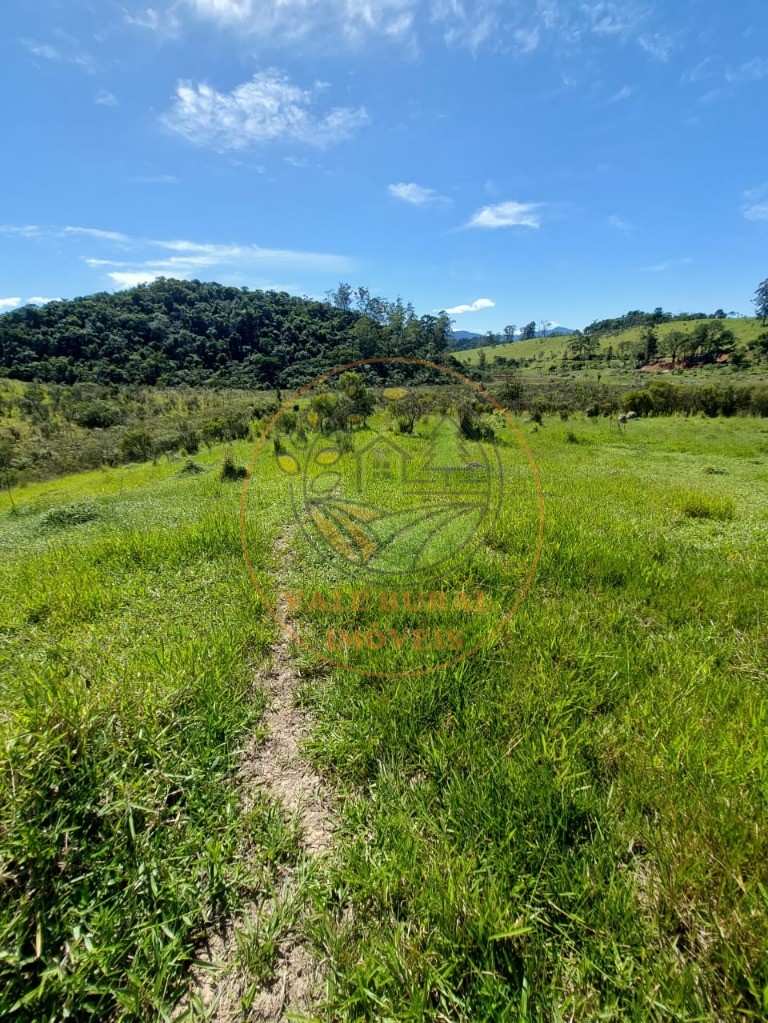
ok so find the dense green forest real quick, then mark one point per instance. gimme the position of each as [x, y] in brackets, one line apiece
[174, 332]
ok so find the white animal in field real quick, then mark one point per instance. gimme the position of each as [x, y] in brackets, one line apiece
[624, 418]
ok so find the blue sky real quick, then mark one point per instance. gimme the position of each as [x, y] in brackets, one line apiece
[505, 159]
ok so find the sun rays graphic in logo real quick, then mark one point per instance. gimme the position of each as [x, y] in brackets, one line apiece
[391, 504]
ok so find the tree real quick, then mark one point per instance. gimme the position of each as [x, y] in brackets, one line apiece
[544, 327]
[674, 343]
[650, 342]
[482, 359]
[509, 332]
[341, 297]
[528, 331]
[761, 301]
[9, 461]
[583, 346]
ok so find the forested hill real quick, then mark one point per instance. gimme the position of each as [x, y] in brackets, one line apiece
[174, 332]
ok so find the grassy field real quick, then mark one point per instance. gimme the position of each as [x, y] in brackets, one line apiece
[568, 825]
[552, 349]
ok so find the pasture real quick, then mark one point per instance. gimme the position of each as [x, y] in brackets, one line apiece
[569, 824]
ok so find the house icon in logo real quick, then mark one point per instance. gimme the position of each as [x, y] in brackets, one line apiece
[381, 461]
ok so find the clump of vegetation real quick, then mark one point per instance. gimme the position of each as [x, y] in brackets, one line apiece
[573, 438]
[708, 506]
[71, 515]
[230, 470]
[191, 468]
[712, 470]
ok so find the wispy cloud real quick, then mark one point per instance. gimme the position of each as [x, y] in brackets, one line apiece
[66, 52]
[416, 195]
[269, 108]
[9, 303]
[668, 264]
[130, 278]
[472, 307]
[93, 232]
[508, 214]
[657, 45]
[754, 70]
[155, 179]
[39, 300]
[519, 28]
[21, 230]
[104, 98]
[624, 93]
[620, 224]
[756, 203]
[127, 260]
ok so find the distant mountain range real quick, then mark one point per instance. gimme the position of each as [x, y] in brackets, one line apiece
[463, 339]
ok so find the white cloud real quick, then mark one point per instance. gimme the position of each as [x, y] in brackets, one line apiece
[624, 93]
[758, 211]
[160, 23]
[155, 179]
[22, 231]
[39, 300]
[668, 264]
[417, 195]
[520, 27]
[754, 70]
[473, 307]
[104, 98]
[129, 279]
[269, 108]
[69, 53]
[92, 232]
[127, 260]
[619, 223]
[9, 303]
[507, 214]
[329, 21]
[657, 45]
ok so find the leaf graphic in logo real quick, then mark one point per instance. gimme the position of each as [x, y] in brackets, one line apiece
[288, 465]
[342, 524]
[328, 456]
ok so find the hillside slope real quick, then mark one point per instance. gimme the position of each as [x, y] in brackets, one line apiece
[745, 330]
[175, 332]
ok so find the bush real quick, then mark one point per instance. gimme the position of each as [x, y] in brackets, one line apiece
[640, 402]
[190, 468]
[137, 446]
[97, 415]
[70, 515]
[231, 471]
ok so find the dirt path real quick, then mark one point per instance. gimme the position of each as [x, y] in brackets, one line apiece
[274, 766]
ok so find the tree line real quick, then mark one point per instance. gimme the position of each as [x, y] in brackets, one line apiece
[172, 332]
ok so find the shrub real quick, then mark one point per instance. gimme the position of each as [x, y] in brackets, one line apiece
[137, 446]
[97, 415]
[640, 402]
[231, 471]
[190, 468]
[70, 515]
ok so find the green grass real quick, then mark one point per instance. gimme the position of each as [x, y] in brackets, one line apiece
[568, 825]
[552, 349]
[571, 825]
[127, 650]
